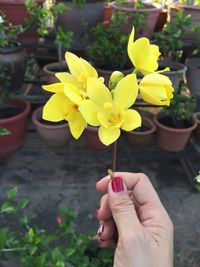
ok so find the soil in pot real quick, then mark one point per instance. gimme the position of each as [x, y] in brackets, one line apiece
[177, 124]
[10, 111]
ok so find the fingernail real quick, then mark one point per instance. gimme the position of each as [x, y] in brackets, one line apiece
[117, 184]
[100, 230]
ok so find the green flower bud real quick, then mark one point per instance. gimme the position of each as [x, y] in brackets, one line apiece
[115, 77]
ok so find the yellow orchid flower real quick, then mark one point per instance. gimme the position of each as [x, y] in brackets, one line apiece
[156, 89]
[111, 113]
[143, 55]
[80, 71]
[59, 107]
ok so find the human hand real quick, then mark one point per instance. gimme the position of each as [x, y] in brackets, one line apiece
[131, 209]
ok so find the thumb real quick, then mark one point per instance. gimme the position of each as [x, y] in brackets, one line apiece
[122, 208]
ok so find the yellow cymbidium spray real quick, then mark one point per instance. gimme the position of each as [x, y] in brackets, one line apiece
[81, 98]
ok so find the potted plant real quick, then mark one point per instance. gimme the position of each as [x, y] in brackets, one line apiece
[81, 16]
[31, 244]
[55, 135]
[12, 55]
[13, 117]
[176, 123]
[142, 16]
[107, 51]
[188, 7]
[143, 136]
[171, 43]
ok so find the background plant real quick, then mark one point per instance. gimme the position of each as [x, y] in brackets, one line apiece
[35, 246]
[171, 38]
[4, 85]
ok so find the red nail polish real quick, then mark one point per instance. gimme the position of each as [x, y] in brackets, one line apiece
[117, 184]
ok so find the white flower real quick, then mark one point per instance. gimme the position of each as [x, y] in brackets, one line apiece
[1, 20]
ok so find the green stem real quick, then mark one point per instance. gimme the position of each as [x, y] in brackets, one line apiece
[135, 71]
[13, 249]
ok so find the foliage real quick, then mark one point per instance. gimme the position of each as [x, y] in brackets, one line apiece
[8, 32]
[197, 178]
[4, 131]
[196, 51]
[108, 48]
[63, 38]
[34, 246]
[42, 16]
[4, 84]
[190, 2]
[171, 38]
[181, 109]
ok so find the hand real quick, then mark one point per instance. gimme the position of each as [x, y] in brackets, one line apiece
[131, 210]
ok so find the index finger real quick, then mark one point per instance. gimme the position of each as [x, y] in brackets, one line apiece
[142, 189]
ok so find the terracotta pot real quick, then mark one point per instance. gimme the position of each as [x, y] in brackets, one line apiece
[127, 8]
[14, 60]
[188, 9]
[16, 13]
[142, 139]
[106, 73]
[107, 14]
[172, 139]
[196, 132]
[92, 138]
[177, 72]
[55, 136]
[193, 74]
[16, 125]
[81, 20]
[51, 69]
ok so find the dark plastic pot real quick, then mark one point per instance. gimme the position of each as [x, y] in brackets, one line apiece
[196, 132]
[142, 139]
[127, 8]
[172, 139]
[16, 125]
[92, 138]
[14, 60]
[193, 74]
[55, 136]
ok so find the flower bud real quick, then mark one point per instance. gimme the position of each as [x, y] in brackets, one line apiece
[115, 77]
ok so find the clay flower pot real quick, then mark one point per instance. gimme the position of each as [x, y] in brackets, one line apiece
[127, 8]
[92, 138]
[196, 132]
[143, 137]
[172, 139]
[57, 136]
[51, 69]
[13, 117]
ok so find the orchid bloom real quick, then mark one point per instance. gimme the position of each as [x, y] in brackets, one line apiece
[80, 71]
[156, 89]
[109, 110]
[143, 55]
[59, 107]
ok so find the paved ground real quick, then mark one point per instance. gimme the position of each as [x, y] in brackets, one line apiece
[48, 179]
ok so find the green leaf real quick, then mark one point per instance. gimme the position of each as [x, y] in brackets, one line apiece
[7, 207]
[60, 264]
[12, 193]
[4, 131]
[3, 237]
[23, 203]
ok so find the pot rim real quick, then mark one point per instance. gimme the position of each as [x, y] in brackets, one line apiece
[11, 49]
[37, 113]
[167, 63]
[46, 70]
[24, 113]
[177, 5]
[150, 131]
[152, 7]
[196, 115]
[160, 125]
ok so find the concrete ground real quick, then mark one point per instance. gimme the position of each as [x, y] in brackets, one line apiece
[48, 179]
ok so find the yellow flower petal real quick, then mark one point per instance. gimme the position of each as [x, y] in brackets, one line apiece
[73, 93]
[77, 125]
[126, 91]
[98, 92]
[108, 135]
[52, 110]
[73, 63]
[88, 68]
[132, 120]
[156, 78]
[65, 77]
[54, 88]
[89, 111]
[150, 98]
[130, 45]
